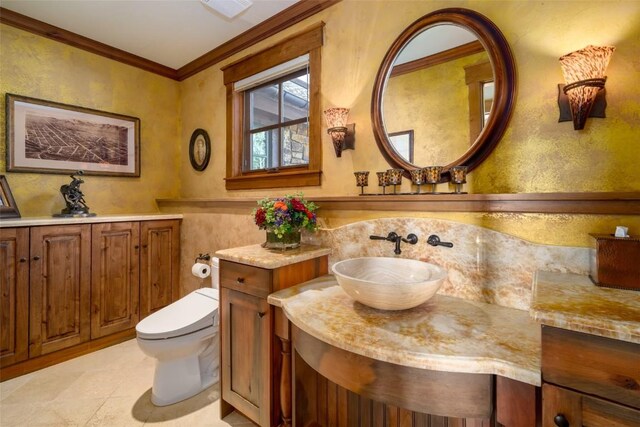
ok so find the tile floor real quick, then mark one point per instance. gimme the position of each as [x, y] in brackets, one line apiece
[110, 387]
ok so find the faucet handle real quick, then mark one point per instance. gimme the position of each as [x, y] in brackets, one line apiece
[377, 237]
[412, 239]
[434, 240]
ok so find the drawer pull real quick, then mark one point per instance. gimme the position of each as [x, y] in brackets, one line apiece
[240, 280]
[561, 421]
[36, 258]
[261, 314]
[23, 259]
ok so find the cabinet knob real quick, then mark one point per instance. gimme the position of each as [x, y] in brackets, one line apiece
[262, 313]
[561, 421]
[240, 280]
[36, 258]
[23, 259]
[136, 247]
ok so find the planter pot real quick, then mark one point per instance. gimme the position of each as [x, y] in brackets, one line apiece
[287, 241]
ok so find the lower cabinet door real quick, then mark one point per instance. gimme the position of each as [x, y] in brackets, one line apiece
[246, 349]
[14, 295]
[566, 408]
[60, 270]
[115, 277]
[159, 265]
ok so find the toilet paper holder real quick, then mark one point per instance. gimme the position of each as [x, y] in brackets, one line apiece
[203, 257]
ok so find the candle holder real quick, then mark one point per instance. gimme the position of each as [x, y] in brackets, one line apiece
[383, 181]
[362, 180]
[395, 177]
[432, 176]
[458, 177]
[417, 177]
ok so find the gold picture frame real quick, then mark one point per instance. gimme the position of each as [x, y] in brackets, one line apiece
[8, 207]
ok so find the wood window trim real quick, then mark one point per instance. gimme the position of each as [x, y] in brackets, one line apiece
[475, 77]
[308, 41]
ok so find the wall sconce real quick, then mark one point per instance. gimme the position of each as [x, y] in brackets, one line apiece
[342, 134]
[584, 75]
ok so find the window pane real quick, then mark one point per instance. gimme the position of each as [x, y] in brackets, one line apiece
[264, 106]
[264, 150]
[295, 145]
[296, 98]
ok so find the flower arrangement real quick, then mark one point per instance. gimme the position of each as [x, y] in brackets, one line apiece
[285, 215]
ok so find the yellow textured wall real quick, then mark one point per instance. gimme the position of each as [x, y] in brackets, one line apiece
[537, 154]
[434, 103]
[41, 68]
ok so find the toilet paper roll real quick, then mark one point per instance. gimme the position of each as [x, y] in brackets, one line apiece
[201, 270]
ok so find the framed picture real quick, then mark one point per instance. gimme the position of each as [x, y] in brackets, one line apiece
[403, 143]
[8, 207]
[49, 137]
[199, 149]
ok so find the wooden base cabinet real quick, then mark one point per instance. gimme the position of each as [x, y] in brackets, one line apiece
[69, 289]
[251, 353]
[589, 380]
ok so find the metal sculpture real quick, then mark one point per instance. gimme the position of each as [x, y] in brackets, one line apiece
[74, 198]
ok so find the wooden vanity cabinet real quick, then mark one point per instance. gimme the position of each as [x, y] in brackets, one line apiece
[80, 287]
[589, 380]
[251, 353]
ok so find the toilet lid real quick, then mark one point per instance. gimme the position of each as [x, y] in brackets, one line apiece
[191, 313]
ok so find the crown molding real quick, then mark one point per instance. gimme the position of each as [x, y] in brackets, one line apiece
[288, 17]
[52, 32]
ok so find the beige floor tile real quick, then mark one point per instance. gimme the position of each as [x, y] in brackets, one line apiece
[107, 388]
[66, 412]
[18, 414]
[43, 387]
[93, 384]
[7, 387]
[119, 411]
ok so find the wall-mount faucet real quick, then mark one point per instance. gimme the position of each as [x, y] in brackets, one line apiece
[434, 240]
[412, 239]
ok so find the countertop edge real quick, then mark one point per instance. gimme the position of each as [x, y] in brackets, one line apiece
[257, 256]
[39, 221]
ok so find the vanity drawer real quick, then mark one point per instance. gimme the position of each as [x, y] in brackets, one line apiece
[596, 365]
[245, 278]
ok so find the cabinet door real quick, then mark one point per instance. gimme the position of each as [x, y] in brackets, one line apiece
[562, 407]
[14, 295]
[245, 328]
[115, 277]
[159, 265]
[60, 269]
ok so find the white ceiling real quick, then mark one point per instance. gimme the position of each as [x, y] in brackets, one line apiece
[169, 32]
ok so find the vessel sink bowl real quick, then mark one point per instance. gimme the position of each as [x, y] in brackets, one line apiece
[389, 283]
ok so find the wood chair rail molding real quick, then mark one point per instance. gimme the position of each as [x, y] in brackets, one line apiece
[288, 17]
[618, 203]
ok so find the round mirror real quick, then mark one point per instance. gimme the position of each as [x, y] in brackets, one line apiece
[444, 93]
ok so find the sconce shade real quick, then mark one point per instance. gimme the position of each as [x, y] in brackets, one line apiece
[584, 73]
[336, 117]
[337, 127]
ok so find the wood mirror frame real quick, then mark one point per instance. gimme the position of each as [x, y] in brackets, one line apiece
[505, 86]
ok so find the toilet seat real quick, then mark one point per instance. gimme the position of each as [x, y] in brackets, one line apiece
[192, 313]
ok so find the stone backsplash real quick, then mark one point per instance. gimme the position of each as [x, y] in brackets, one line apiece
[484, 265]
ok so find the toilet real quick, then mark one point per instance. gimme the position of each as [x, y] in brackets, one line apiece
[183, 338]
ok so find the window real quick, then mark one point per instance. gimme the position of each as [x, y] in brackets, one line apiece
[273, 115]
[276, 123]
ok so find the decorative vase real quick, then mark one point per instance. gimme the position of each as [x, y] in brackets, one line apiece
[287, 241]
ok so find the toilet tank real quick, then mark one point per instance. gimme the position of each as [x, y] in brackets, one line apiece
[215, 273]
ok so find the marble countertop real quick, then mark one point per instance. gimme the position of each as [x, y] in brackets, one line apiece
[573, 302]
[49, 220]
[443, 334]
[257, 256]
